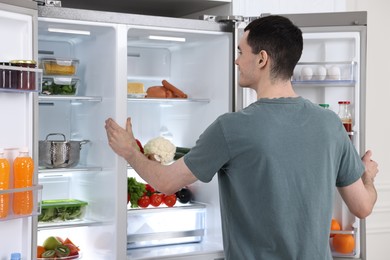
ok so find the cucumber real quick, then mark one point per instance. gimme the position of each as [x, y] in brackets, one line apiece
[183, 150]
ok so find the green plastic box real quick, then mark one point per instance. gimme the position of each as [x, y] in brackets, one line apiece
[62, 210]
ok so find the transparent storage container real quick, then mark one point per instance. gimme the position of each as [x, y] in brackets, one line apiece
[60, 86]
[62, 210]
[165, 225]
[59, 66]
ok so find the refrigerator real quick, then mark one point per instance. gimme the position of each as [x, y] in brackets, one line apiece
[111, 50]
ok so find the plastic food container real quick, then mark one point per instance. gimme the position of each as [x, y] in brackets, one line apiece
[59, 66]
[60, 85]
[62, 210]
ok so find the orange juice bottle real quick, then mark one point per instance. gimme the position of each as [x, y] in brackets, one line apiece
[23, 177]
[4, 184]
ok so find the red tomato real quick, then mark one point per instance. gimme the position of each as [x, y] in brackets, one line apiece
[170, 200]
[144, 201]
[156, 199]
[149, 188]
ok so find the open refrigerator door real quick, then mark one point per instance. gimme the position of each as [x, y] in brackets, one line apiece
[190, 229]
[332, 69]
[19, 84]
[82, 184]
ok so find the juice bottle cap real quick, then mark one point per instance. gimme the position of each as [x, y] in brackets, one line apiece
[16, 256]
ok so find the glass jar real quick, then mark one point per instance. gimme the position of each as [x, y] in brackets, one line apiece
[345, 115]
[5, 76]
[21, 79]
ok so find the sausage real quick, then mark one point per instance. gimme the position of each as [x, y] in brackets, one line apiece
[177, 92]
[156, 92]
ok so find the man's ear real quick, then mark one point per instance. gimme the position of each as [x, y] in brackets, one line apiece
[262, 58]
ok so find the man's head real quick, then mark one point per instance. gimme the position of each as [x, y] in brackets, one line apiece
[280, 39]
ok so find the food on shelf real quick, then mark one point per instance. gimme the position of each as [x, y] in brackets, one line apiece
[167, 90]
[160, 149]
[343, 243]
[135, 191]
[59, 66]
[158, 92]
[59, 85]
[170, 200]
[144, 201]
[156, 199]
[57, 248]
[184, 195]
[62, 210]
[135, 88]
[180, 152]
[51, 243]
[334, 226]
[176, 92]
[143, 195]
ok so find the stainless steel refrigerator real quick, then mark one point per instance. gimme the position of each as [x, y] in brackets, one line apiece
[114, 49]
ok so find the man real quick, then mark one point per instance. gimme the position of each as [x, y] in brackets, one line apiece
[278, 160]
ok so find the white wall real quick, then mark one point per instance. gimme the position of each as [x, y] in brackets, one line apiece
[256, 7]
[378, 95]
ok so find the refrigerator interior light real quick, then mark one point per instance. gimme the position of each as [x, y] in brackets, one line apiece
[60, 30]
[166, 38]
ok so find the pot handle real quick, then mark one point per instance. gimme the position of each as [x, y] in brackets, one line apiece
[84, 142]
[52, 134]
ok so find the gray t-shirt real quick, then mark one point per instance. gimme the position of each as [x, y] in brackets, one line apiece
[278, 162]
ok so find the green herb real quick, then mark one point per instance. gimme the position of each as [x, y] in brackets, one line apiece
[136, 190]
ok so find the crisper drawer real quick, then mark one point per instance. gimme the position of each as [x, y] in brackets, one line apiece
[165, 225]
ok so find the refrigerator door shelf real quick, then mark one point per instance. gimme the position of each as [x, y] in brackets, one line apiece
[20, 79]
[325, 73]
[354, 252]
[37, 194]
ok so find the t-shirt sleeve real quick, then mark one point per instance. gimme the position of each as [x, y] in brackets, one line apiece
[351, 166]
[209, 154]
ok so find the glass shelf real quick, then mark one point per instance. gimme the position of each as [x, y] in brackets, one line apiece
[68, 224]
[52, 98]
[169, 100]
[54, 171]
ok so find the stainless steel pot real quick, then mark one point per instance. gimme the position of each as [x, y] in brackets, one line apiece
[59, 153]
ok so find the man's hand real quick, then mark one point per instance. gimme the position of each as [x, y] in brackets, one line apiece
[121, 140]
[371, 168]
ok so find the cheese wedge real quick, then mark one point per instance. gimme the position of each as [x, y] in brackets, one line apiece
[135, 88]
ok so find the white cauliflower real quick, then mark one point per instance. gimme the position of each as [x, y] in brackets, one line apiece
[162, 149]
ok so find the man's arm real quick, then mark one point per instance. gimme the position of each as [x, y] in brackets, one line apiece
[165, 178]
[361, 195]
